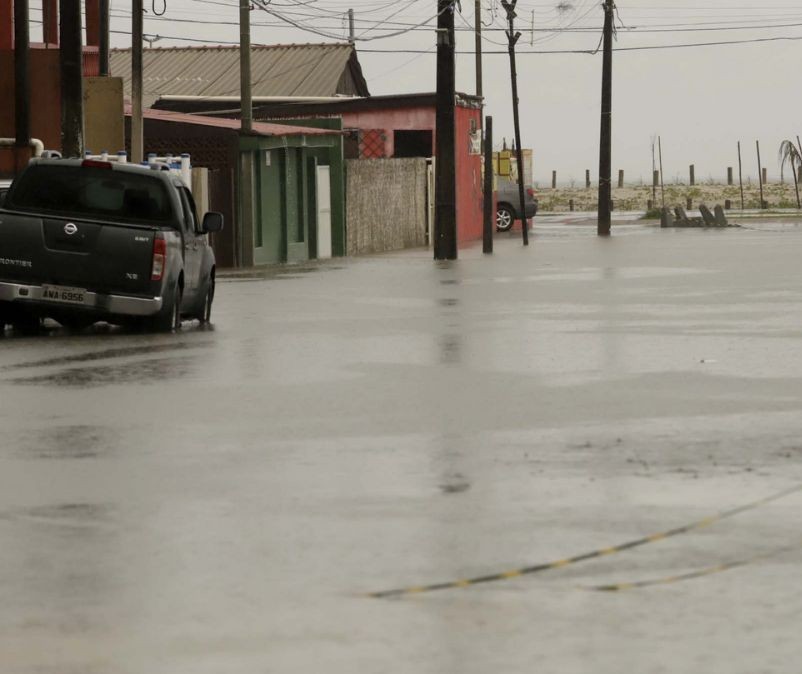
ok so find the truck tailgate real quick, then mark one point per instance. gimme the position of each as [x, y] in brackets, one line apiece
[103, 258]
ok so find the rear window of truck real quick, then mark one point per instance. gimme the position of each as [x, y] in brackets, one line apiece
[93, 193]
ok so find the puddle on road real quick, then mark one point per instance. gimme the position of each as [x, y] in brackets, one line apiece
[152, 371]
[106, 354]
[62, 442]
[66, 514]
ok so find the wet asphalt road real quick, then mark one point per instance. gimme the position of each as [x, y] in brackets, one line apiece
[220, 500]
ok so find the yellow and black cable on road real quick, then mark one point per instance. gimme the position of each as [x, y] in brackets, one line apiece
[699, 573]
[594, 554]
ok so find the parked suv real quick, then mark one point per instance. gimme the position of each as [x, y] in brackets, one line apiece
[508, 204]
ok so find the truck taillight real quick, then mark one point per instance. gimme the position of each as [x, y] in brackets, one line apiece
[96, 163]
[159, 257]
[530, 192]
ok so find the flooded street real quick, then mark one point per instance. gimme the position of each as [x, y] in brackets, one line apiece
[226, 499]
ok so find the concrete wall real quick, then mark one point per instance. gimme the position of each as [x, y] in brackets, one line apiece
[103, 114]
[385, 204]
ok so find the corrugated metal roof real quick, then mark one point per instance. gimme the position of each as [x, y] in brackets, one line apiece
[276, 70]
[258, 128]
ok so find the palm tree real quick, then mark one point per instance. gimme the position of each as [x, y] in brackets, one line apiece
[791, 154]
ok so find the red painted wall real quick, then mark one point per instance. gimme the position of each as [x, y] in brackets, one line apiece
[469, 178]
[420, 118]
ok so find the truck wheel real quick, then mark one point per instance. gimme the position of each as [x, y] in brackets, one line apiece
[169, 318]
[26, 324]
[76, 323]
[504, 218]
[206, 312]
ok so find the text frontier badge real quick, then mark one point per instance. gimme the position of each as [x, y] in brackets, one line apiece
[70, 228]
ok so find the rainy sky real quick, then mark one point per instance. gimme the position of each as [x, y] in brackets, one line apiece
[701, 75]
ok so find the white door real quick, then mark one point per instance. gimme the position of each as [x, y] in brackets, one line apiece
[323, 212]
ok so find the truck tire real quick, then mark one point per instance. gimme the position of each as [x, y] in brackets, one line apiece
[26, 324]
[205, 315]
[76, 323]
[169, 318]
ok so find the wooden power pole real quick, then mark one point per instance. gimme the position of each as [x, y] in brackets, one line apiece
[103, 47]
[478, 35]
[445, 219]
[605, 144]
[137, 125]
[512, 38]
[246, 216]
[71, 67]
[22, 80]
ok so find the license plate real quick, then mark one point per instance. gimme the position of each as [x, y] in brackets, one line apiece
[63, 294]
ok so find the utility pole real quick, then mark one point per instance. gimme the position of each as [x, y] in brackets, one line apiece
[654, 182]
[137, 125]
[445, 219]
[513, 37]
[740, 175]
[246, 103]
[70, 65]
[487, 224]
[246, 219]
[759, 173]
[605, 145]
[351, 32]
[662, 184]
[103, 47]
[22, 81]
[478, 30]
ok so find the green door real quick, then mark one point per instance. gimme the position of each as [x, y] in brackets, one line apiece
[296, 212]
[269, 228]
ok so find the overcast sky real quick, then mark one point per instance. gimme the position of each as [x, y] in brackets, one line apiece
[701, 100]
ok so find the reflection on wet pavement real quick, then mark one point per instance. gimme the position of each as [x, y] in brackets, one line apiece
[151, 371]
[108, 353]
[61, 442]
[65, 514]
[220, 501]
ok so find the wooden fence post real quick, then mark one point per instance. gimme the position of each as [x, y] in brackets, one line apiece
[693, 176]
[620, 179]
[554, 180]
[587, 178]
[729, 175]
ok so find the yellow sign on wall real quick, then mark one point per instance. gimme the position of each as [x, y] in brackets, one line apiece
[505, 165]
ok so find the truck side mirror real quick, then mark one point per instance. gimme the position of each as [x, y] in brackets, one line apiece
[212, 222]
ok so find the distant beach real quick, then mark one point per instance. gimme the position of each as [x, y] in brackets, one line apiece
[637, 197]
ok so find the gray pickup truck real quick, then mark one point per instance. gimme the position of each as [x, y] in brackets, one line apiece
[84, 241]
